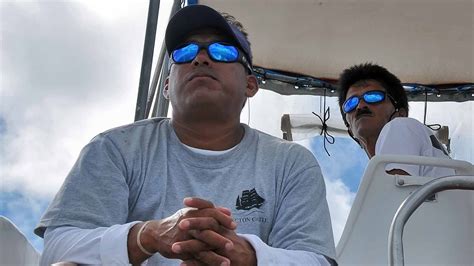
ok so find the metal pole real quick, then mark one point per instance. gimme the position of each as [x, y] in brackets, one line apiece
[160, 108]
[156, 78]
[411, 203]
[147, 59]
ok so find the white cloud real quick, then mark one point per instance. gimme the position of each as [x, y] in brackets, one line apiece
[112, 10]
[64, 80]
[340, 200]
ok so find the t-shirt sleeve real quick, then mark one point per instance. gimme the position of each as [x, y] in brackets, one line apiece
[302, 220]
[95, 192]
[401, 137]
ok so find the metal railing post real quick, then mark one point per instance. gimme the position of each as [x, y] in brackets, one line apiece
[147, 59]
[161, 104]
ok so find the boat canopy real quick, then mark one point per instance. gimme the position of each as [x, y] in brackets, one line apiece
[428, 45]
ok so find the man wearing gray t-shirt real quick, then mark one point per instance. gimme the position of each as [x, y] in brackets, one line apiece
[200, 188]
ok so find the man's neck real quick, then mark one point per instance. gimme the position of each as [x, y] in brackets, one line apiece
[208, 135]
[369, 146]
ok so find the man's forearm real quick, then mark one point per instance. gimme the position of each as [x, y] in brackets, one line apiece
[135, 254]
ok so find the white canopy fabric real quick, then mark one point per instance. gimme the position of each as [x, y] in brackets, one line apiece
[424, 41]
[428, 42]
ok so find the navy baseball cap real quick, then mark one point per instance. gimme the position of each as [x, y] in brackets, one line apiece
[195, 17]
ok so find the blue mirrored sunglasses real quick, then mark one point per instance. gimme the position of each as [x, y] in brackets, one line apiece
[369, 97]
[217, 51]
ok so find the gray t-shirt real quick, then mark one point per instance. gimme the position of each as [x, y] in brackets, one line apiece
[142, 171]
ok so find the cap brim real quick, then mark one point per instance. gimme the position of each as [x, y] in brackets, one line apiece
[194, 17]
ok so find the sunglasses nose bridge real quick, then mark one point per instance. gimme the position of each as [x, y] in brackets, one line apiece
[361, 103]
[202, 57]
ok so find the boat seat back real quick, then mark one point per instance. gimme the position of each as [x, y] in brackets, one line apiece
[14, 246]
[438, 233]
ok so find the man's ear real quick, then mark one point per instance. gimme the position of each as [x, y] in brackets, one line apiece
[402, 112]
[252, 86]
[165, 89]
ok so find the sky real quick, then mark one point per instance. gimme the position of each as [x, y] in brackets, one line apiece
[70, 70]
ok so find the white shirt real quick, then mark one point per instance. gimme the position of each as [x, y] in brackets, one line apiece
[407, 136]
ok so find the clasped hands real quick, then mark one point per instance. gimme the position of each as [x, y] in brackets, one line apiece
[200, 234]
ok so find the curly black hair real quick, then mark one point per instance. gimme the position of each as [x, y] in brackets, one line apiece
[368, 71]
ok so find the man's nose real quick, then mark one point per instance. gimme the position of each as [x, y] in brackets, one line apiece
[202, 58]
[362, 104]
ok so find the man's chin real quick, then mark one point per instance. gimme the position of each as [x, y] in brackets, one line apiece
[367, 131]
[210, 104]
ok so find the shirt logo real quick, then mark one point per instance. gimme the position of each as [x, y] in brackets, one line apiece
[248, 200]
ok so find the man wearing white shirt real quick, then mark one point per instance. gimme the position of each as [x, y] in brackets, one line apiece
[374, 107]
[150, 191]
